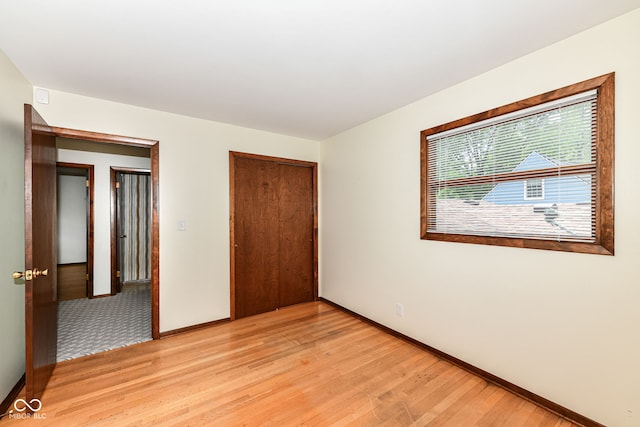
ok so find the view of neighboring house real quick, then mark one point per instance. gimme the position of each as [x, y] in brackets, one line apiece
[551, 206]
[565, 189]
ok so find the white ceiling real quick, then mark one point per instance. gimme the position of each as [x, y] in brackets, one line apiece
[308, 68]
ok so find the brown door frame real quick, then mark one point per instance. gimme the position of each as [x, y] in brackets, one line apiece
[116, 285]
[154, 147]
[90, 220]
[314, 167]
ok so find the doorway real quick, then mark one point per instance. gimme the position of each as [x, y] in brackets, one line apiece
[41, 320]
[153, 148]
[75, 192]
[119, 318]
[274, 229]
[130, 228]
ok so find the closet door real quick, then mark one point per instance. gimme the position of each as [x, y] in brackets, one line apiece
[272, 234]
[257, 264]
[295, 234]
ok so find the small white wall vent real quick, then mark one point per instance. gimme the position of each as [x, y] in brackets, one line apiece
[42, 96]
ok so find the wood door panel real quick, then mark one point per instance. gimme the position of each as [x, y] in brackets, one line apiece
[256, 239]
[273, 234]
[295, 218]
[40, 253]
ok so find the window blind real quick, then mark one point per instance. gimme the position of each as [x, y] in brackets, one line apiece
[529, 174]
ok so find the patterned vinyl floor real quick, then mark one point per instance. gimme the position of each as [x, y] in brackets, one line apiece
[88, 326]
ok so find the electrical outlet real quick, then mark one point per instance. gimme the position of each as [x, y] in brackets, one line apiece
[399, 310]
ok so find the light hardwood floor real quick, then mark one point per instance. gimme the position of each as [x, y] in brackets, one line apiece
[308, 364]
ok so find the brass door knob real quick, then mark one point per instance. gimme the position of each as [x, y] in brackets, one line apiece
[28, 275]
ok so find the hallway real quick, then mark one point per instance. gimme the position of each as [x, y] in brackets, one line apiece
[88, 326]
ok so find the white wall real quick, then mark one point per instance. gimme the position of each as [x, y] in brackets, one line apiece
[194, 187]
[102, 205]
[72, 219]
[565, 326]
[15, 92]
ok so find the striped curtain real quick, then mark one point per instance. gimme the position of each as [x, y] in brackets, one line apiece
[136, 223]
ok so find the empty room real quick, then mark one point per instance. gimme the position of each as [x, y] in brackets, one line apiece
[345, 212]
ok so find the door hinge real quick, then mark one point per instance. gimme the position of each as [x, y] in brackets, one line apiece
[87, 276]
[117, 184]
[117, 274]
[86, 183]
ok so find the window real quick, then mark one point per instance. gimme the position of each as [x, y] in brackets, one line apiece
[537, 173]
[534, 189]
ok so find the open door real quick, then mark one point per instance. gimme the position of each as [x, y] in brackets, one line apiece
[40, 273]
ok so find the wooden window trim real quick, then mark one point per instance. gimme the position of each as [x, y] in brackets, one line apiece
[604, 203]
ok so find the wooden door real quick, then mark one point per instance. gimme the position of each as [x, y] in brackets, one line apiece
[295, 233]
[273, 233]
[41, 316]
